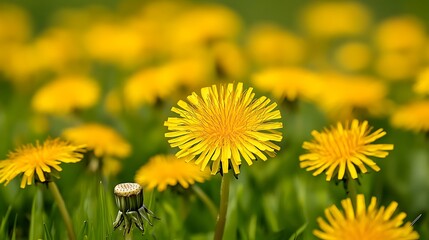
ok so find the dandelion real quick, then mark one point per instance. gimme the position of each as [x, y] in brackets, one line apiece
[422, 84]
[223, 126]
[101, 139]
[167, 170]
[36, 162]
[413, 116]
[353, 56]
[130, 201]
[344, 147]
[269, 44]
[342, 95]
[66, 94]
[288, 82]
[336, 19]
[364, 222]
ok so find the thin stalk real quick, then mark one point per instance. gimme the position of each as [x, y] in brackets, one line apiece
[351, 189]
[129, 236]
[206, 200]
[63, 210]
[221, 217]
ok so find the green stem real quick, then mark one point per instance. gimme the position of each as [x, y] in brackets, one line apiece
[63, 210]
[221, 217]
[129, 236]
[206, 200]
[351, 189]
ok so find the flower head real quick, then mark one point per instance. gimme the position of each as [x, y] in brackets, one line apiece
[336, 19]
[422, 84]
[290, 82]
[164, 170]
[66, 94]
[35, 161]
[224, 125]
[341, 95]
[364, 222]
[103, 140]
[413, 116]
[343, 147]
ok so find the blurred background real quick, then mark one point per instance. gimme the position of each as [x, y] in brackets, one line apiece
[124, 64]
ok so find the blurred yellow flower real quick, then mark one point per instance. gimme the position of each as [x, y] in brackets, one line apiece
[201, 25]
[402, 33]
[66, 94]
[341, 95]
[111, 166]
[343, 147]
[147, 86]
[397, 66]
[230, 61]
[401, 42]
[167, 170]
[413, 116]
[58, 50]
[335, 19]
[103, 140]
[364, 222]
[117, 43]
[353, 56]
[14, 24]
[36, 162]
[268, 44]
[422, 84]
[223, 125]
[157, 83]
[288, 82]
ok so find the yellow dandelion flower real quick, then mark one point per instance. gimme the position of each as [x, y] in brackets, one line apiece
[341, 95]
[121, 44]
[36, 161]
[343, 147]
[201, 25]
[364, 222]
[65, 94]
[230, 60]
[111, 167]
[288, 82]
[422, 84]
[336, 19]
[14, 24]
[401, 34]
[147, 86]
[413, 116]
[353, 56]
[271, 45]
[103, 140]
[224, 125]
[167, 170]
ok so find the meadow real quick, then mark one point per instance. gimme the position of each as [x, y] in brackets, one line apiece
[238, 121]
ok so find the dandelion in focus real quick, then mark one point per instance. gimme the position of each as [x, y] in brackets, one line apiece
[65, 95]
[413, 116]
[35, 163]
[167, 170]
[364, 222]
[223, 126]
[344, 147]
